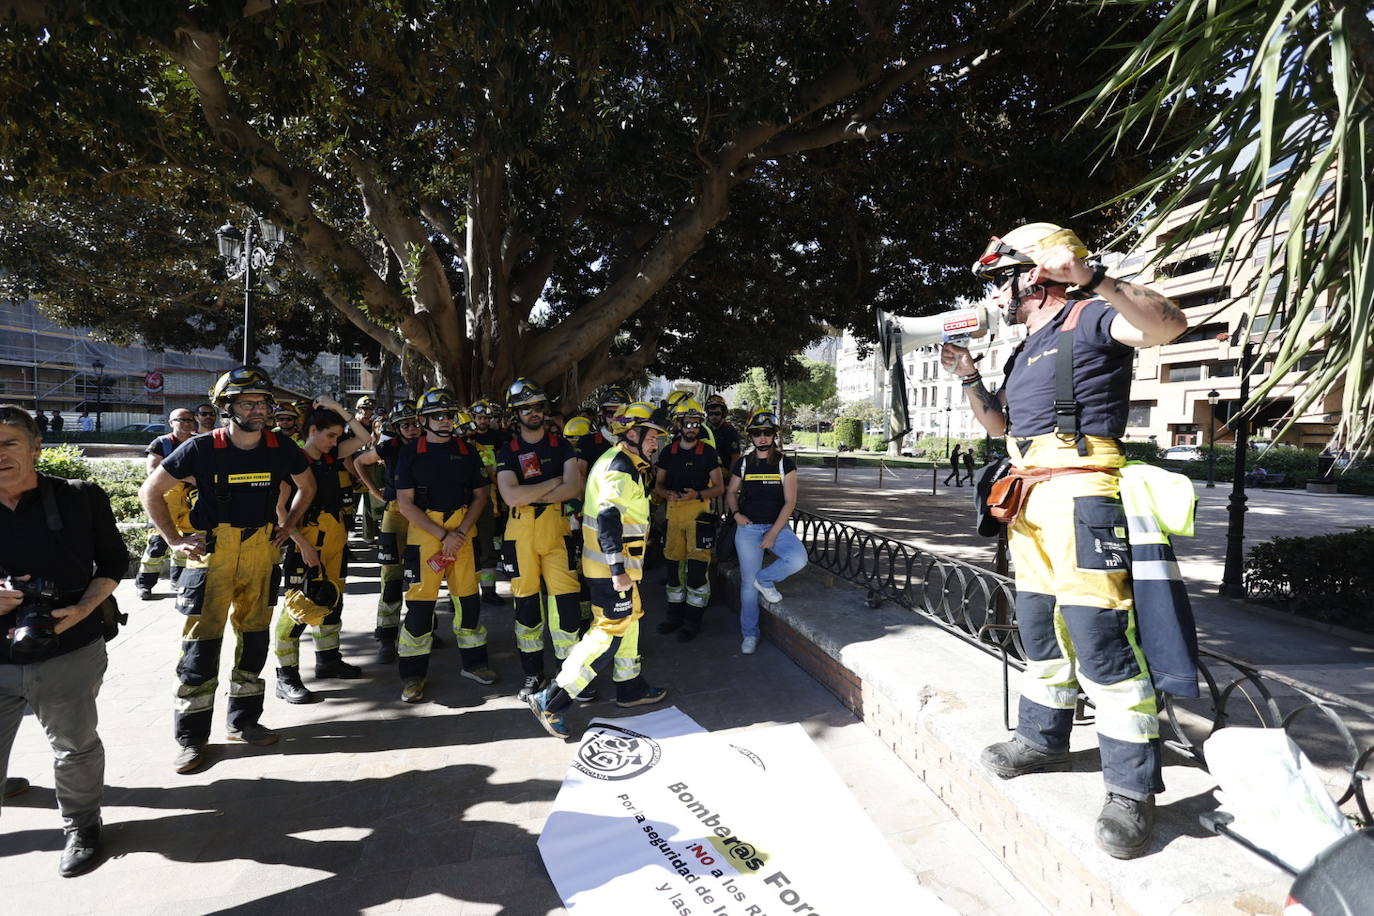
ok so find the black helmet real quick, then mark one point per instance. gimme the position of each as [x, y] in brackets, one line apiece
[524, 392]
[399, 413]
[436, 400]
[615, 396]
[764, 419]
[242, 380]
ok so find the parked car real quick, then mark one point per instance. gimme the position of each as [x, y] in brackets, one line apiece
[154, 428]
[1182, 453]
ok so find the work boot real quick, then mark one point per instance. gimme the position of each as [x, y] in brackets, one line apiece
[254, 734]
[1010, 759]
[190, 757]
[533, 683]
[331, 665]
[481, 674]
[14, 785]
[80, 853]
[651, 696]
[386, 651]
[145, 593]
[1124, 826]
[686, 634]
[588, 696]
[489, 596]
[413, 690]
[673, 621]
[290, 688]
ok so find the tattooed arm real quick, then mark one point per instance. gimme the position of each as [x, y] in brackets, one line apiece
[989, 409]
[1144, 318]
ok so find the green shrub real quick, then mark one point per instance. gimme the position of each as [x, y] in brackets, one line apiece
[135, 538]
[1327, 577]
[874, 444]
[64, 461]
[1140, 451]
[849, 431]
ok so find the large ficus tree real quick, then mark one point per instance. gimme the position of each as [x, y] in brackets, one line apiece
[567, 191]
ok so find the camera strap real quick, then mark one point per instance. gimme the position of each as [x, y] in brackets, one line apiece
[109, 611]
[53, 517]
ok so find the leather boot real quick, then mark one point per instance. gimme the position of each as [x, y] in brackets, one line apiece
[1124, 826]
[1010, 759]
[290, 688]
[674, 618]
[330, 663]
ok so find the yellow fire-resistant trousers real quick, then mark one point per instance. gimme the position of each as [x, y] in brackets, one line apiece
[1076, 617]
[539, 548]
[680, 541]
[328, 536]
[612, 633]
[228, 585]
[416, 637]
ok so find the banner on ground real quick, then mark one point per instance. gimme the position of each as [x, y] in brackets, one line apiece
[658, 816]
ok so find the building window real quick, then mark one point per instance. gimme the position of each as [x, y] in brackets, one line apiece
[1139, 414]
[1222, 368]
[1308, 361]
[1189, 265]
[1205, 297]
[1202, 332]
[1183, 372]
[351, 374]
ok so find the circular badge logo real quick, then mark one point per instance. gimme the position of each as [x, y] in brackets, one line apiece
[612, 752]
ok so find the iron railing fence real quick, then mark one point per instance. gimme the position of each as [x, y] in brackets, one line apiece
[979, 606]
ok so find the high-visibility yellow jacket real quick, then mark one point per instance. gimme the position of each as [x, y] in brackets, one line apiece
[615, 515]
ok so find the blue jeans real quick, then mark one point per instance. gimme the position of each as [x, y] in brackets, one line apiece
[790, 554]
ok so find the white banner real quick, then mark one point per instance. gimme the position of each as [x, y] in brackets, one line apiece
[657, 816]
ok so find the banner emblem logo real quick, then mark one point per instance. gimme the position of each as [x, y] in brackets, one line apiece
[613, 753]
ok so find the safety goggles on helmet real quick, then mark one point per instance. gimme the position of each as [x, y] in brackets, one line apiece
[484, 407]
[642, 414]
[242, 380]
[688, 409]
[615, 396]
[403, 413]
[436, 401]
[463, 423]
[366, 402]
[1010, 251]
[286, 411]
[523, 392]
[763, 421]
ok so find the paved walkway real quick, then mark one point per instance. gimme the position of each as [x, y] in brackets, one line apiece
[943, 522]
[368, 805]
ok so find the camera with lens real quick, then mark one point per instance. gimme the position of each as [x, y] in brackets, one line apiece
[35, 636]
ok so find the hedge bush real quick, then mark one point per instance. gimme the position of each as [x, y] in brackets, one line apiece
[1327, 577]
[65, 461]
[849, 431]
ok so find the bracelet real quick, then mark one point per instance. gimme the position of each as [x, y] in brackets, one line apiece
[1099, 272]
[968, 381]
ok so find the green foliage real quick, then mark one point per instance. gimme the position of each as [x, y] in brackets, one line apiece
[874, 443]
[1327, 578]
[849, 432]
[667, 172]
[1297, 130]
[135, 538]
[64, 460]
[1140, 451]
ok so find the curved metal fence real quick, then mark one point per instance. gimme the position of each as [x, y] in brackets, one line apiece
[978, 606]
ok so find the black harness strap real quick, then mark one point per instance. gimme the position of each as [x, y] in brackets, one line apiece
[1067, 409]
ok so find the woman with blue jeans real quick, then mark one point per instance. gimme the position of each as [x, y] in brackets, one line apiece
[761, 496]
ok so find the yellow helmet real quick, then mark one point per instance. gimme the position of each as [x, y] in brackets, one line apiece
[366, 402]
[764, 419]
[713, 400]
[642, 414]
[1014, 249]
[687, 408]
[463, 423]
[242, 380]
[287, 410]
[523, 392]
[615, 396]
[577, 427]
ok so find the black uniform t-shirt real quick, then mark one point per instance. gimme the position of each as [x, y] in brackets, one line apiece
[727, 444]
[687, 467]
[162, 446]
[236, 486]
[593, 446]
[444, 475]
[389, 450]
[1101, 369]
[329, 491]
[760, 489]
[534, 462]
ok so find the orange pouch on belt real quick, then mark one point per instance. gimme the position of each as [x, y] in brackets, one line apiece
[1009, 494]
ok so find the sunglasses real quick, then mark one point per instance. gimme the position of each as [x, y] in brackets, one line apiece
[183, 419]
[531, 408]
[756, 433]
[252, 405]
[446, 417]
[691, 424]
[205, 413]
[408, 424]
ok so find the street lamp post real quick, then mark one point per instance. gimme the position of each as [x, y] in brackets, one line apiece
[1212, 397]
[99, 392]
[245, 253]
[1232, 578]
[949, 409]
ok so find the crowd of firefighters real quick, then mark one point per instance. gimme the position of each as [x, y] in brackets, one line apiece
[252, 519]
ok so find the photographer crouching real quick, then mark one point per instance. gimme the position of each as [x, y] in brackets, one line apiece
[61, 557]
